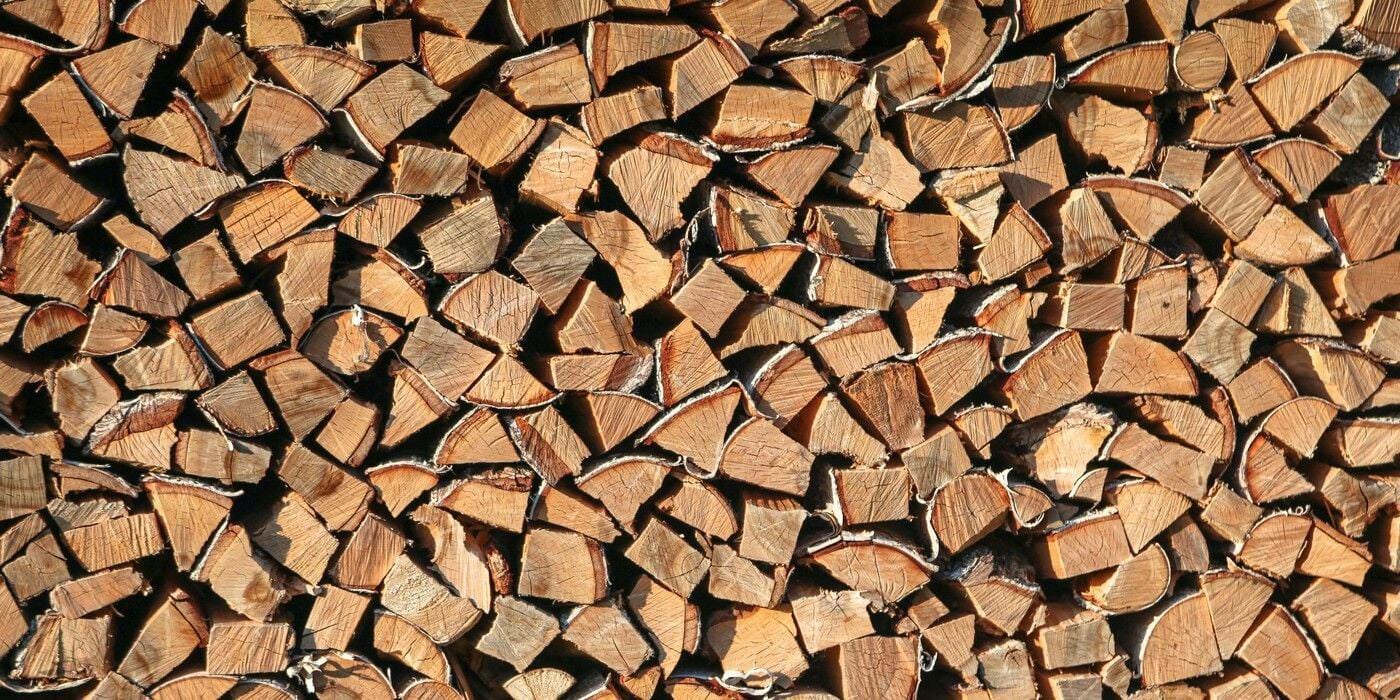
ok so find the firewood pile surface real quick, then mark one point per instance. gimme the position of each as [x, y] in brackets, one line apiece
[446, 349]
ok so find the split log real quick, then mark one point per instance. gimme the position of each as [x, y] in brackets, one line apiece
[248, 647]
[66, 117]
[372, 127]
[998, 587]
[1285, 656]
[1090, 543]
[334, 616]
[1169, 650]
[548, 549]
[1134, 585]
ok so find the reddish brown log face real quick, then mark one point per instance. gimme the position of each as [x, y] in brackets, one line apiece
[451, 349]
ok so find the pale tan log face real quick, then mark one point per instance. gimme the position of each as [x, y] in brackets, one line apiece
[860, 349]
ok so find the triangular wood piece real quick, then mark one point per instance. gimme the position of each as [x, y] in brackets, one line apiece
[478, 438]
[189, 512]
[695, 428]
[792, 173]
[552, 261]
[131, 284]
[636, 170]
[612, 46]
[277, 121]
[117, 75]
[685, 363]
[182, 129]
[614, 416]
[324, 76]
[166, 190]
[765, 267]
[508, 384]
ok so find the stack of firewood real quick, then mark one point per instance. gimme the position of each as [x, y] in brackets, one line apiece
[445, 349]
